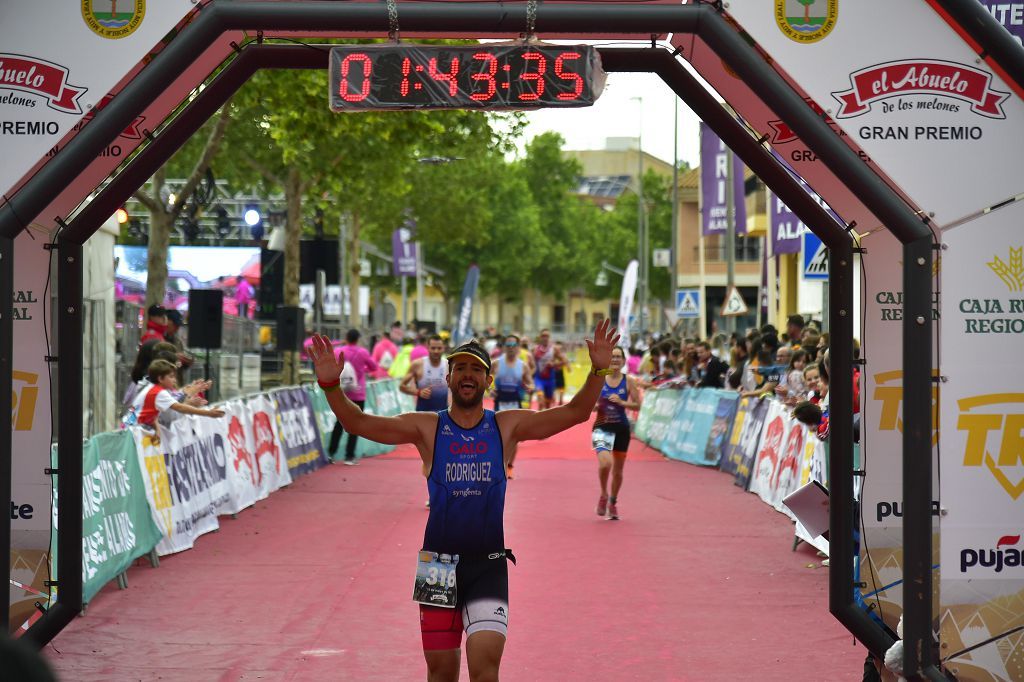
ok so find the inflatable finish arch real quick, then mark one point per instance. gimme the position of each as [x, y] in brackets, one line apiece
[216, 31]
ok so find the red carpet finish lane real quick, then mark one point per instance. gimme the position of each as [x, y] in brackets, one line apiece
[695, 582]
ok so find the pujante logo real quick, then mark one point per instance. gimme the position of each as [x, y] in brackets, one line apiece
[1006, 554]
[1011, 273]
[1003, 414]
[103, 18]
[38, 77]
[806, 21]
[920, 77]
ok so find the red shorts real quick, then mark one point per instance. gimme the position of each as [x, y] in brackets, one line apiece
[483, 605]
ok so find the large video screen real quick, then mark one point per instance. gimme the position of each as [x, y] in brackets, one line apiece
[193, 267]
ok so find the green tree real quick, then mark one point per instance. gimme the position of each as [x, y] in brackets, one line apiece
[807, 9]
[191, 162]
[572, 226]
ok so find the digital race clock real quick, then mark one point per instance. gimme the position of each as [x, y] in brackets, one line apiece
[488, 76]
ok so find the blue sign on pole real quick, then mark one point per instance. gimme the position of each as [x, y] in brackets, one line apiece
[688, 303]
[814, 257]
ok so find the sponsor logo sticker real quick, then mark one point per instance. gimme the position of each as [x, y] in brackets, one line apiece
[996, 418]
[942, 79]
[39, 77]
[112, 19]
[1010, 271]
[806, 21]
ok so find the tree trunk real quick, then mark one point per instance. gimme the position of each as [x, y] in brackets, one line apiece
[161, 221]
[293, 231]
[353, 278]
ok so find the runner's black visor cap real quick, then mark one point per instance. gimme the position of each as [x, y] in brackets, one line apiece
[474, 350]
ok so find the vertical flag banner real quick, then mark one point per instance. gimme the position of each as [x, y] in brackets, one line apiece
[714, 168]
[785, 226]
[463, 324]
[982, 446]
[403, 252]
[626, 302]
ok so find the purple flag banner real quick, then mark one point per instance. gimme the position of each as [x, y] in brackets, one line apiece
[714, 165]
[785, 226]
[1009, 14]
[403, 251]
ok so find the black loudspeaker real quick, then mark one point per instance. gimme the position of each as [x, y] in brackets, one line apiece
[290, 328]
[205, 317]
[271, 290]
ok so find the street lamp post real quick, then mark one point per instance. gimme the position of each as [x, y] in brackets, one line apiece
[641, 230]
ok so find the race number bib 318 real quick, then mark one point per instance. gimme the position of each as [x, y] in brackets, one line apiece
[435, 579]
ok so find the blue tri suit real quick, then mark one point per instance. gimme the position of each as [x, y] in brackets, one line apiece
[508, 383]
[467, 488]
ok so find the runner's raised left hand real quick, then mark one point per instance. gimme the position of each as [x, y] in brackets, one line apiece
[605, 338]
[326, 363]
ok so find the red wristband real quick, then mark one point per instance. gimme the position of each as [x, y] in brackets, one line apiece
[330, 385]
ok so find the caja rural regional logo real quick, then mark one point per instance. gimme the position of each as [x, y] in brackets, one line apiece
[941, 79]
[1012, 272]
[996, 419]
[104, 18]
[806, 21]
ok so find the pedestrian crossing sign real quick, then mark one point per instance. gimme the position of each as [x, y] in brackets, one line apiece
[734, 303]
[815, 258]
[688, 303]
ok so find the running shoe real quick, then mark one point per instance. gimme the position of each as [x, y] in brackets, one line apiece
[602, 505]
[613, 511]
[351, 462]
[510, 474]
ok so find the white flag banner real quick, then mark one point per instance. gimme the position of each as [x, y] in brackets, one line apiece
[982, 446]
[265, 445]
[626, 302]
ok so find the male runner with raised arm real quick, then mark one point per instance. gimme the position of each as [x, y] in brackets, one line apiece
[462, 574]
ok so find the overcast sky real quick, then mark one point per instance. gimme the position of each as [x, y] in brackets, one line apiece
[617, 114]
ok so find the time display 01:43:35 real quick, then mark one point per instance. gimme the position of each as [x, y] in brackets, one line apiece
[495, 76]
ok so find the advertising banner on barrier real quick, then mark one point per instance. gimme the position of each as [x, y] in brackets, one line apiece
[687, 438]
[643, 419]
[662, 416]
[117, 526]
[982, 447]
[778, 456]
[720, 427]
[745, 436]
[298, 431]
[243, 469]
[265, 445]
[185, 482]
